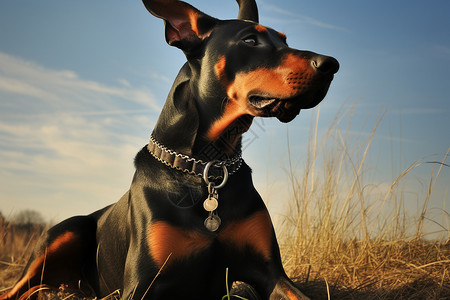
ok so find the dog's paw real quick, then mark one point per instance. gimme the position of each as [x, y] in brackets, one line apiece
[244, 290]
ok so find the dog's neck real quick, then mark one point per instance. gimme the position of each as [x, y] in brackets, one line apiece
[180, 129]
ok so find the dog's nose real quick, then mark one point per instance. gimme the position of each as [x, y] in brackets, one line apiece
[325, 64]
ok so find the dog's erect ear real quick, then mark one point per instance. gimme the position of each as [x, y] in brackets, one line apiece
[248, 10]
[186, 26]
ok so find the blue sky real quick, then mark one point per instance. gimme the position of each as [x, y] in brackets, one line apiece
[82, 83]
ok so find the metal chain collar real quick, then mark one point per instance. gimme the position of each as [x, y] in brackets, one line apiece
[192, 165]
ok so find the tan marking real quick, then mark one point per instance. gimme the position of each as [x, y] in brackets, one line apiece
[282, 35]
[291, 295]
[255, 231]
[233, 110]
[219, 68]
[193, 19]
[60, 241]
[282, 82]
[164, 239]
[274, 82]
[260, 28]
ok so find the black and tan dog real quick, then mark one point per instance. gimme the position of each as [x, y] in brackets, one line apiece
[192, 211]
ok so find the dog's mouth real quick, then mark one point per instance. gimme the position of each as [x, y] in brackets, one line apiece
[284, 110]
[262, 103]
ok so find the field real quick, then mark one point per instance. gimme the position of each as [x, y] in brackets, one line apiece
[16, 242]
[339, 240]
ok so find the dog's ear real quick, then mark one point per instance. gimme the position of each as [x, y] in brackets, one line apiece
[248, 10]
[186, 26]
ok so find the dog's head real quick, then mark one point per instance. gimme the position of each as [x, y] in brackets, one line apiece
[241, 69]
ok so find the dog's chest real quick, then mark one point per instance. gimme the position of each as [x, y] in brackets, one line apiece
[168, 244]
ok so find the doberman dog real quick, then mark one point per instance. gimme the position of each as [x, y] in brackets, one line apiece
[192, 213]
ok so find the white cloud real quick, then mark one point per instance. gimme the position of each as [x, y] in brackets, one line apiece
[21, 77]
[67, 144]
[14, 86]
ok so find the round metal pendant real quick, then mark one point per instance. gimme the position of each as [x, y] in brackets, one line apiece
[210, 204]
[212, 223]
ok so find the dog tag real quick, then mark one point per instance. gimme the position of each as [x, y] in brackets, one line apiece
[210, 204]
[212, 223]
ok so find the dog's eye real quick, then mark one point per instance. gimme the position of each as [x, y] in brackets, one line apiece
[250, 41]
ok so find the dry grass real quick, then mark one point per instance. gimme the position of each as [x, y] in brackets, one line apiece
[16, 244]
[342, 238]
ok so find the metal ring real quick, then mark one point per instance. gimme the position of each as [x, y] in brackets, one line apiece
[225, 174]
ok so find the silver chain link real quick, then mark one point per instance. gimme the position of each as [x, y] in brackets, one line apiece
[235, 161]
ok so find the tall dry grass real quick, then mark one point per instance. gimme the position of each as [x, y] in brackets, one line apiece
[346, 238]
[16, 245]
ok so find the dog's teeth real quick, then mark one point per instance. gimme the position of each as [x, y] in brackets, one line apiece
[263, 102]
